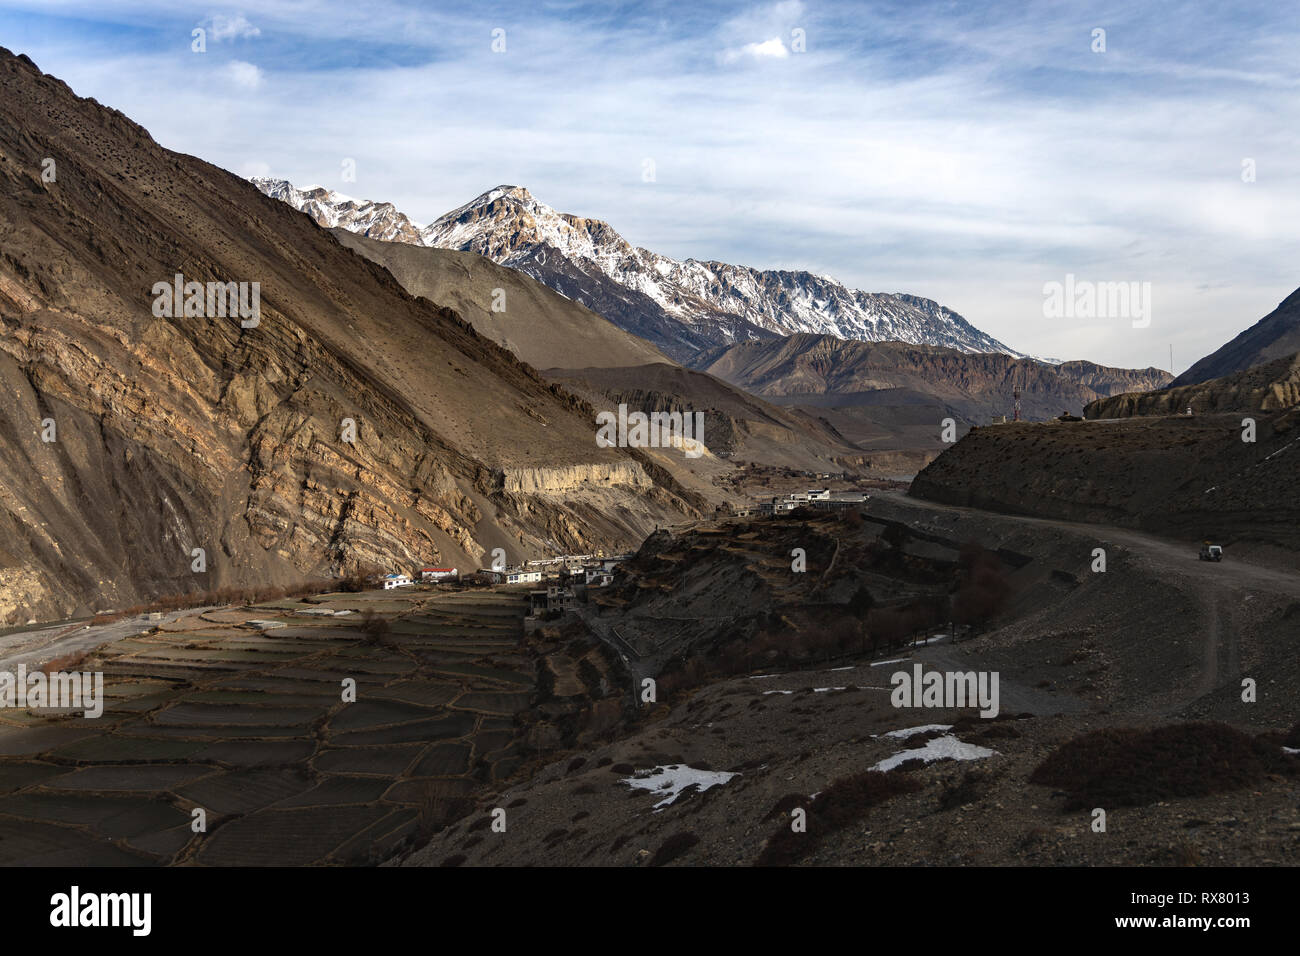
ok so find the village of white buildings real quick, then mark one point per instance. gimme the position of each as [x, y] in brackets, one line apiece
[567, 577]
[812, 498]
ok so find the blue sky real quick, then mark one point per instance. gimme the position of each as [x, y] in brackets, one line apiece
[965, 152]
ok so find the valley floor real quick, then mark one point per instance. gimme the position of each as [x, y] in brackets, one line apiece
[474, 742]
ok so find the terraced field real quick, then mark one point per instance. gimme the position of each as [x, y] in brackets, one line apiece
[248, 722]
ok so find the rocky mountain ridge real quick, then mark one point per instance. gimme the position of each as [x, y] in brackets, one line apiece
[681, 306]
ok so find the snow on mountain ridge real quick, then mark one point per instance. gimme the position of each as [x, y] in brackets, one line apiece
[716, 303]
[330, 209]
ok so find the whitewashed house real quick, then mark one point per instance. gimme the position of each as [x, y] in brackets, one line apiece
[396, 581]
[438, 574]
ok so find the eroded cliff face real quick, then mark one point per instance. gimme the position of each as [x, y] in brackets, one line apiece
[130, 439]
[575, 478]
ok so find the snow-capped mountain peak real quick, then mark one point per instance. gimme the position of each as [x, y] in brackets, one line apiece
[682, 306]
[378, 220]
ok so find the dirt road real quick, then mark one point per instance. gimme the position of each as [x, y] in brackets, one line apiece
[1177, 556]
[38, 645]
[1222, 588]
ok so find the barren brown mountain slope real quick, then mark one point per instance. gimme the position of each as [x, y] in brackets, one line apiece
[550, 332]
[831, 372]
[191, 432]
[1226, 472]
[737, 425]
[1269, 387]
[1178, 476]
[1275, 336]
[539, 325]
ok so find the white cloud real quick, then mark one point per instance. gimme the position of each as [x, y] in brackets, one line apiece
[764, 20]
[969, 159]
[768, 48]
[245, 75]
[221, 27]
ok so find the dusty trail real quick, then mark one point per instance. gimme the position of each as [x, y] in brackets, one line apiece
[1221, 588]
[1174, 555]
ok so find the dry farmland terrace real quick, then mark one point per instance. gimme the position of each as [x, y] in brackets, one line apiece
[240, 712]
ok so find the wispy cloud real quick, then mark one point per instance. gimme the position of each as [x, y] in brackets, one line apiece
[969, 154]
[221, 27]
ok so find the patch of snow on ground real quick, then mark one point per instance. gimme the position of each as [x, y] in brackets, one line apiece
[912, 731]
[674, 778]
[1291, 750]
[931, 640]
[898, 660]
[822, 690]
[940, 748]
